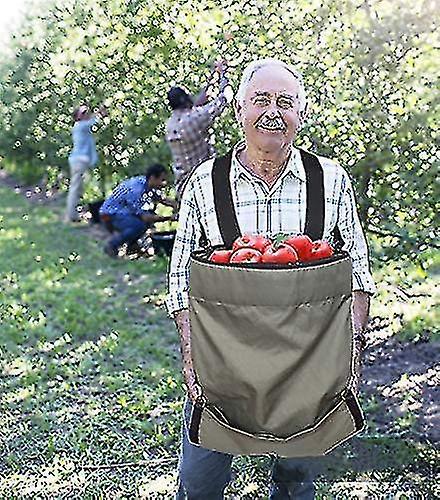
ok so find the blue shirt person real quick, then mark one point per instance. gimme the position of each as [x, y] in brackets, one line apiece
[82, 157]
[130, 207]
[130, 198]
[84, 146]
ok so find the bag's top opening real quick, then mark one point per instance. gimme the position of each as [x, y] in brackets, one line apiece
[202, 256]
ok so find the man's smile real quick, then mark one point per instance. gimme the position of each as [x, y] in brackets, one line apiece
[271, 125]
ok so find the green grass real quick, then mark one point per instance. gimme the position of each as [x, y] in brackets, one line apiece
[90, 386]
[87, 350]
[27, 172]
[408, 294]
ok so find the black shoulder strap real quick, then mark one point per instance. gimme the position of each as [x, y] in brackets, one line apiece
[315, 211]
[224, 206]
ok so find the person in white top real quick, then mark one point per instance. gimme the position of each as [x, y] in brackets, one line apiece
[82, 157]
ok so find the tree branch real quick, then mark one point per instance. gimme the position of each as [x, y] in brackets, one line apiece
[398, 236]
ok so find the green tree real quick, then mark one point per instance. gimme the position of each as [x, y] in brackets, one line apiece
[369, 65]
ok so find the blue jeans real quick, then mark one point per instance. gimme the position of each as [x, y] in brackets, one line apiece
[129, 228]
[204, 474]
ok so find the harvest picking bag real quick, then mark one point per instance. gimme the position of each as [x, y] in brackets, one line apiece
[272, 345]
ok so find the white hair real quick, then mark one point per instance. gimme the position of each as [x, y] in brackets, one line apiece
[254, 66]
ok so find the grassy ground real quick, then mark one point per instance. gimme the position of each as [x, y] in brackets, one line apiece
[90, 387]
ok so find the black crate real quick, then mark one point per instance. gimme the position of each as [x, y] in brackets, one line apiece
[94, 211]
[163, 242]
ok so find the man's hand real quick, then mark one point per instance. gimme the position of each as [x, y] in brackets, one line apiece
[228, 36]
[192, 386]
[153, 218]
[357, 364]
[189, 376]
[102, 111]
[220, 66]
[170, 202]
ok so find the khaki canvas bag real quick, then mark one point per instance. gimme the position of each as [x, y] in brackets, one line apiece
[272, 345]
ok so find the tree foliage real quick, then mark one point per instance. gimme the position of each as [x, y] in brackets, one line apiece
[370, 69]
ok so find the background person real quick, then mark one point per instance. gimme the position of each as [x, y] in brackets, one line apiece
[82, 157]
[187, 129]
[130, 207]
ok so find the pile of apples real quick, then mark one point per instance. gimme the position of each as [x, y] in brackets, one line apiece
[259, 249]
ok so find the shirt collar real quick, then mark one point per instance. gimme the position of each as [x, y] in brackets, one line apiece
[143, 181]
[294, 167]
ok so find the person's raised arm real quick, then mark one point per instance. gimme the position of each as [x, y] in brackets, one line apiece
[220, 68]
[202, 97]
[102, 112]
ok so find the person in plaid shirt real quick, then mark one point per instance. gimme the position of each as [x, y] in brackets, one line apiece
[269, 195]
[130, 209]
[187, 130]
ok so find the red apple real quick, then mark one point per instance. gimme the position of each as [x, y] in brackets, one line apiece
[245, 255]
[284, 254]
[220, 256]
[256, 241]
[321, 250]
[302, 244]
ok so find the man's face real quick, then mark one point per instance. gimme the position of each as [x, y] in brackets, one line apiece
[189, 102]
[269, 114]
[158, 182]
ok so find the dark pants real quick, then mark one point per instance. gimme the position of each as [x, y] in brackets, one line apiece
[204, 474]
[129, 228]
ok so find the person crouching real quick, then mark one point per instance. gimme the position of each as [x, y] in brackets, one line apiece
[128, 209]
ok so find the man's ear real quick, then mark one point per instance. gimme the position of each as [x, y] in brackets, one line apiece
[304, 114]
[238, 109]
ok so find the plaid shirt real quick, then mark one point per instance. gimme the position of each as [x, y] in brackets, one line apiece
[267, 211]
[187, 134]
[131, 197]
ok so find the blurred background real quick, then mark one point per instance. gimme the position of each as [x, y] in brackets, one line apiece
[371, 69]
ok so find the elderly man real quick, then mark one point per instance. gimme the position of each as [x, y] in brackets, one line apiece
[268, 187]
[82, 157]
[187, 130]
